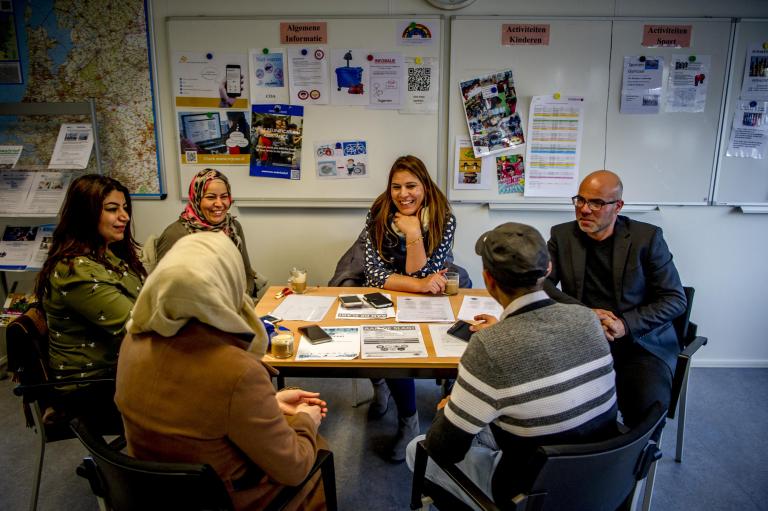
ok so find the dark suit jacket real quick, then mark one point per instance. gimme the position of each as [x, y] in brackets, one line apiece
[646, 284]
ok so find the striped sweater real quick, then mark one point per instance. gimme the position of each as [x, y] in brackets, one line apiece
[541, 376]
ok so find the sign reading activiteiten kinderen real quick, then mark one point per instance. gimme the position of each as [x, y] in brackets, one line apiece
[304, 32]
[515, 34]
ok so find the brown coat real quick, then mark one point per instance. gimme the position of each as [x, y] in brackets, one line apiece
[200, 397]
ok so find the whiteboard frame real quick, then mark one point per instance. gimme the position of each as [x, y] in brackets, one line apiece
[266, 201]
[556, 204]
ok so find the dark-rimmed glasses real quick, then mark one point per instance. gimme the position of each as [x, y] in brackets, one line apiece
[594, 204]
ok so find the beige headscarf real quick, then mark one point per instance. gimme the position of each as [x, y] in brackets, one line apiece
[202, 277]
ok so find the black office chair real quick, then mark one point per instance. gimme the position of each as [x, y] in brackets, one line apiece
[27, 343]
[127, 484]
[590, 477]
[689, 344]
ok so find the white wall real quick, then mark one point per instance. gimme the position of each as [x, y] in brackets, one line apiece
[717, 250]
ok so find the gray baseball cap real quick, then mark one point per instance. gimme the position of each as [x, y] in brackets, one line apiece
[516, 253]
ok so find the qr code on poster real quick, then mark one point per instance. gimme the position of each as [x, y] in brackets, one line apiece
[191, 156]
[418, 78]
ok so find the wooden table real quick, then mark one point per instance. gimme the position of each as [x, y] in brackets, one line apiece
[429, 367]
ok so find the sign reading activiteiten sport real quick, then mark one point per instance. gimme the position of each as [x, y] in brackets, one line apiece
[669, 36]
[304, 32]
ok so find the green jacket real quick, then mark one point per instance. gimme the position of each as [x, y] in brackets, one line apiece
[87, 309]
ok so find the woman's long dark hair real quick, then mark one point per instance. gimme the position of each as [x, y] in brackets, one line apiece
[384, 208]
[78, 231]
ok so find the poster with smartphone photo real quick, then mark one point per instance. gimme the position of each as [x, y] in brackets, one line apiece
[214, 137]
[342, 159]
[210, 80]
[469, 173]
[267, 76]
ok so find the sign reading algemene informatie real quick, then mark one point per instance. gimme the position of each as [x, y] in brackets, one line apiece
[304, 32]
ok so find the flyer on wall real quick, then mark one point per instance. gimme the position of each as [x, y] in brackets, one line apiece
[212, 80]
[267, 76]
[755, 82]
[219, 137]
[510, 173]
[276, 141]
[555, 132]
[20, 246]
[469, 173]
[418, 33]
[421, 85]
[386, 80]
[490, 105]
[308, 75]
[641, 85]
[749, 134]
[9, 155]
[342, 159]
[687, 83]
[351, 77]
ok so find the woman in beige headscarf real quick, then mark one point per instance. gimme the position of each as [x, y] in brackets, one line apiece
[191, 386]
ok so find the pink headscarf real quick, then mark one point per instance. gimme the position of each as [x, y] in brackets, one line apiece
[193, 217]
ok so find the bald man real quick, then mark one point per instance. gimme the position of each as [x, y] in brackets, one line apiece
[623, 270]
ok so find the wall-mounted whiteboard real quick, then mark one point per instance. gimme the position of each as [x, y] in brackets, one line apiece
[388, 133]
[741, 181]
[664, 158]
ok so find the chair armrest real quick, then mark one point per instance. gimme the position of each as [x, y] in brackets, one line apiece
[694, 346]
[460, 478]
[33, 391]
[323, 461]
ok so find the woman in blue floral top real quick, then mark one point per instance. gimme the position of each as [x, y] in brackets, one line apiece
[410, 231]
[87, 287]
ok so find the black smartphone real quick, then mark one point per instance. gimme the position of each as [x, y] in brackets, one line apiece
[350, 301]
[315, 334]
[233, 81]
[460, 330]
[271, 319]
[378, 300]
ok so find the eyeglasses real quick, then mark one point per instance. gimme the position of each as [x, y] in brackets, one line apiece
[594, 204]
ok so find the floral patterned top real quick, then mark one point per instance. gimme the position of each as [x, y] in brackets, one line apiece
[377, 270]
[87, 309]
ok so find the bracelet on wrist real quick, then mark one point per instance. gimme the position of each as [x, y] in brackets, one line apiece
[414, 241]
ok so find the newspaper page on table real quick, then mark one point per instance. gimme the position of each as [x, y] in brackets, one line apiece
[303, 307]
[366, 311]
[424, 309]
[446, 345]
[344, 346]
[471, 306]
[392, 341]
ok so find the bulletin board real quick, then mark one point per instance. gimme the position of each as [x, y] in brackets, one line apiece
[664, 158]
[388, 133]
[741, 181]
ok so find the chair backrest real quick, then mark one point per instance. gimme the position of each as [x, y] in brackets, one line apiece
[596, 476]
[682, 322]
[149, 253]
[27, 342]
[126, 483]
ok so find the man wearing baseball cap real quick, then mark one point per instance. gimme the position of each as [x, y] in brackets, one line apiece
[542, 374]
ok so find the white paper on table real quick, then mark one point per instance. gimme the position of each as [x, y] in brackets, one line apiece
[424, 309]
[304, 308]
[366, 311]
[73, 147]
[446, 345]
[344, 346]
[9, 155]
[392, 341]
[471, 306]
